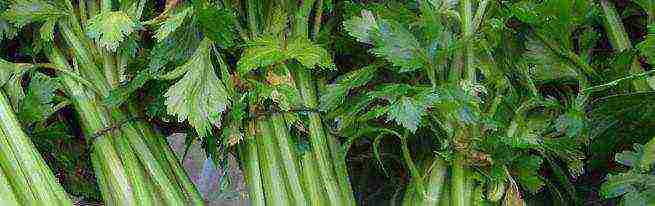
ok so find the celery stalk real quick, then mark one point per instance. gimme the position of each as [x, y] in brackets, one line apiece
[7, 196]
[288, 159]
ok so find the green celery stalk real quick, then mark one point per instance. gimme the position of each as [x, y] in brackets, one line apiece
[411, 196]
[310, 182]
[172, 195]
[288, 159]
[342, 171]
[274, 184]
[317, 137]
[92, 120]
[458, 181]
[251, 169]
[436, 181]
[143, 192]
[170, 162]
[43, 183]
[7, 196]
[14, 172]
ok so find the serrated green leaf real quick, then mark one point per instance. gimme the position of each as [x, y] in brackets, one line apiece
[397, 45]
[218, 25]
[174, 49]
[109, 29]
[39, 101]
[171, 24]
[23, 12]
[333, 96]
[199, 96]
[177, 47]
[547, 65]
[261, 52]
[361, 27]
[406, 112]
[11, 80]
[391, 40]
[630, 158]
[309, 54]
[620, 184]
[390, 92]
[7, 31]
[8, 70]
[647, 5]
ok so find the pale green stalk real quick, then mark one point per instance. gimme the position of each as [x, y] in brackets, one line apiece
[169, 193]
[274, 184]
[252, 173]
[436, 179]
[310, 182]
[43, 183]
[467, 32]
[342, 170]
[458, 181]
[138, 179]
[107, 196]
[7, 196]
[317, 136]
[288, 159]
[92, 120]
[171, 164]
[11, 167]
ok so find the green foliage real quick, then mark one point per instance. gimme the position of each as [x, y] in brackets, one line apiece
[39, 102]
[23, 12]
[199, 96]
[172, 23]
[111, 28]
[217, 24]
[528, 177]
[647, 5]
[392, 42]
[335, 94]
[267, 51]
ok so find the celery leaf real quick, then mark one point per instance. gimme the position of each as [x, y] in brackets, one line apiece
[171, 24]
[109, 29]
[199, 96]
[267, 51]
[23, 12]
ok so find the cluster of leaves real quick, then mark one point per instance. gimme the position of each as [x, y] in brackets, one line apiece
[635, 186]
[511, 123]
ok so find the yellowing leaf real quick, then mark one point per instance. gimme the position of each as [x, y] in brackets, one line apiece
[199, 96]
[109, 29]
